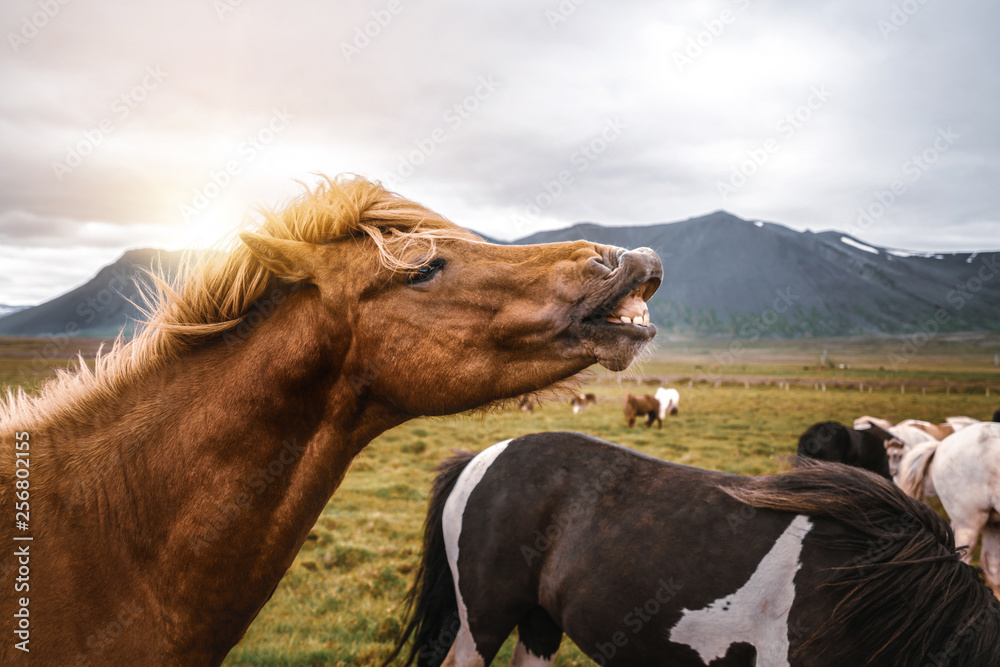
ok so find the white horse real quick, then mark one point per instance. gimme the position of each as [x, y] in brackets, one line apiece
[965, 468]
[670, 401]
[958, 423]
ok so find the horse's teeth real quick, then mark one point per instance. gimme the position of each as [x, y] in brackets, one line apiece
[626, 320]
[645, 319]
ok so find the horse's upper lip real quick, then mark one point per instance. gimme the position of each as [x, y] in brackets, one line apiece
[635, 280]
[628, 309]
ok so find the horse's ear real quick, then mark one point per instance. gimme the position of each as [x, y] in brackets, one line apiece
[287, 259]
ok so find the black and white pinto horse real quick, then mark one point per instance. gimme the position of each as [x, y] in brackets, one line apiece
[863, 448]
[642, 562]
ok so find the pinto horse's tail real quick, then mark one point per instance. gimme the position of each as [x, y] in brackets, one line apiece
[431, 606]
[914, 467]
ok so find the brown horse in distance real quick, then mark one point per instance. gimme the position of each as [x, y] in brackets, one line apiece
[645, 404]
[172, 485]
[581, 401]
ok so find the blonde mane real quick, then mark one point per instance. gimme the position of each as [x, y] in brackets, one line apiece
[214, 291]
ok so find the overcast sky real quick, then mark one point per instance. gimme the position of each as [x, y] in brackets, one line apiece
[119, 120]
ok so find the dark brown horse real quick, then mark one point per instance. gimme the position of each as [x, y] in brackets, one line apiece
[172, 486]
[645, 405]
[863, 447]
[645, 563]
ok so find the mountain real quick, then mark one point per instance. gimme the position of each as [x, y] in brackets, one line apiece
[99, 308]
[722, 276]
[7, 310]
[732, 277]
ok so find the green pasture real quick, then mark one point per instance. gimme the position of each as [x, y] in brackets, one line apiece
[339, 604]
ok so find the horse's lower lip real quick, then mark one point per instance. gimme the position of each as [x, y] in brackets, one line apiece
[614, 346]
[635, 331]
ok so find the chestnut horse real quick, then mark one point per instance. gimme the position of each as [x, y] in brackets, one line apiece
[645, 405]
[581, 401]
[171, 486]
[642, 562]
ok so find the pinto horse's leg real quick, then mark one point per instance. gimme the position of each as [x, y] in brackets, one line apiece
[524, 658]
[477, 649]
[538, 639]
[989, 557]
[464, 652]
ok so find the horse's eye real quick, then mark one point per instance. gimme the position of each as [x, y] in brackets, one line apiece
[425, 272]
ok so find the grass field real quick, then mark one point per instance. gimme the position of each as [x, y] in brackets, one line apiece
[339, 602]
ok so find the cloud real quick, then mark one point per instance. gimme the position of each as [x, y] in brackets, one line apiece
[698, 88]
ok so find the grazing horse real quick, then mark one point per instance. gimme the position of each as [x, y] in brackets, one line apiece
[643, 562]
[996, 415]
[641, 405]
[172, 485]
[670, 401]
[581, 401]
[832, 441]
[965, 469]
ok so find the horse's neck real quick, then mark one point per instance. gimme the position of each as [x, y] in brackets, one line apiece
[222, 463]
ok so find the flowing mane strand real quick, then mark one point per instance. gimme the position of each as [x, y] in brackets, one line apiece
[214, 291]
